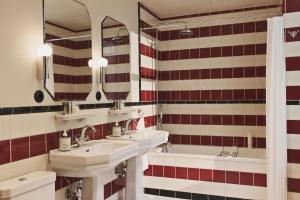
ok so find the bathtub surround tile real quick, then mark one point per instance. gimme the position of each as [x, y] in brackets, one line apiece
[193, 174]
[158, 171]
[293, 185]
[206, 175]
[246, 178]
[219, 176]
[293, 156]
[181, 172]
[169, 171]
[292, 63]
[232, 177]
[185, 195]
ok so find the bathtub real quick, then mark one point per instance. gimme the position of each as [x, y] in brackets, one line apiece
[198, 169]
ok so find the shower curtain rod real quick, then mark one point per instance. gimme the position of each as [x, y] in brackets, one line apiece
[249, 17]
[66, 38]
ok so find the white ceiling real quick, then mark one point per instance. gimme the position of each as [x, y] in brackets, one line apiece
[171, 8]
[67, 13]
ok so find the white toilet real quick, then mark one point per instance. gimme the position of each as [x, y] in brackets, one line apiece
[34, 186]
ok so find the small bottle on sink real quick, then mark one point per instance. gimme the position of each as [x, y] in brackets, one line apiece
[65, 142]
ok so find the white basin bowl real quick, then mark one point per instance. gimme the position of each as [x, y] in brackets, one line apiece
[94, 158]
[147, 139]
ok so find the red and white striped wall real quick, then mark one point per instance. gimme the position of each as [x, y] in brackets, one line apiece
[292, 23]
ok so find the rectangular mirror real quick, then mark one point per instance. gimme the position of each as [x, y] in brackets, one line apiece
[68, 31]
[116, 49]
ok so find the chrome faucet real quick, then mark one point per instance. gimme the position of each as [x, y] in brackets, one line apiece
[127, 128]
[83, 138]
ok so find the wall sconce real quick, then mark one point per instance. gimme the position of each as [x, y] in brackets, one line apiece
[97, 63]
[45, 52]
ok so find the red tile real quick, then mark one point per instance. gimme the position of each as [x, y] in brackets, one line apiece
[227, 51]
[228, 141]
[260, 49]
[169, 172]
[175, 55]
[250, 72]
[219, 176]
[226, 29]
[195, 74]
[261, 26]
[99, 132]
[239, 141]
[175, 139]
[217, 141]
[205, 95]
[293, 185]
[227, 119]
[249, 27]
[227, 73]
[293, 126]
[261, 120]
[261, 94]
[250, 94]
[216, 73]
[216, 52]
[215, 30]
[5, 152]
[205, 53]
[238, 28]
[148, 172]
[238, 50]
[185, 139]
[216, 95]
[158, 171]
[239, 94]
[20, 149]
[246, 178]
[216, 119]
[293, 92]
[184, 54]
[193, 174]
[293, 156]
[260, 71]
[293, 63]
[232, 177]
[195, 119]
[37, 145]
[250, 120]
[58, 183]
[206, 175]
[185, 95]
[205, 74]
[195, 140]
[195, 95]
[292, 6]
[206, 140]
[206, 120]
[204, 31]
[249, 49]
[260, 180]
[238, 72]
[181, 172]
[107, 190]
[194, 53]
[227, 95]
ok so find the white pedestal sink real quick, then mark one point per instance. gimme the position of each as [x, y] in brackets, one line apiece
[92, 160]
[147, 140]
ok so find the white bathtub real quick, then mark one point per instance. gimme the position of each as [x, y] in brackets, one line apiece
[249, 161]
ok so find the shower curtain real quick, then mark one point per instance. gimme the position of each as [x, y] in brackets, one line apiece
[276, 112]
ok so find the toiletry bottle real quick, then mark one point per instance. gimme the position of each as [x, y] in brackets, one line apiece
[65, 142]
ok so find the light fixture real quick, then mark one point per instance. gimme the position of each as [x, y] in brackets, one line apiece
[45, 50]
[97, 63]
[43, 60]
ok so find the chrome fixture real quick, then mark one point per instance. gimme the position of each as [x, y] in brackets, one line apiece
[81, 141]
[127, 126]
[230, 154]
[160, 117]
[121, 169]
[165, 147]
[74, 191]
[293, 34]
[186, 31]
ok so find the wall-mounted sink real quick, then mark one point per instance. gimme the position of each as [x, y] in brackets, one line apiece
[91, 161]
[94, 158]
[147, 140]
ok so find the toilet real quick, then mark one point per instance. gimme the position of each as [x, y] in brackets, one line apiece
[33, 186]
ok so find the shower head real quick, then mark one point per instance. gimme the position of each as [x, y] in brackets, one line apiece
[186, 31]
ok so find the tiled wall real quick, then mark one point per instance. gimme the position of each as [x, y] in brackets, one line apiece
[72, 76]
[292, 23]
[212, 83]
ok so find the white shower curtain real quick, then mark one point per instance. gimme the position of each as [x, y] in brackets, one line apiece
[276, 112]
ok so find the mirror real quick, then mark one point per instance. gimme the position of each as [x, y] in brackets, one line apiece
[68, 31]
[116, 49]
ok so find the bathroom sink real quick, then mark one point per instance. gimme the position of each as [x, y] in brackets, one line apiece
[147, 139]
[95, 158]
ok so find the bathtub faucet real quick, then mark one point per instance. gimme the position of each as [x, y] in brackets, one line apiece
[229, 153]
[165, 146]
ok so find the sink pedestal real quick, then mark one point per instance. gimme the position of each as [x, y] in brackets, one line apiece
[134, 182]
[93, 188]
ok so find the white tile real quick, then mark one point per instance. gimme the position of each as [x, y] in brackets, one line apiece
[5, 128]
[291, 19]
[292, 49]
[294, 170]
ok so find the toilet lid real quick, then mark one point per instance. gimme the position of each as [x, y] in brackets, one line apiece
[25, 183]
